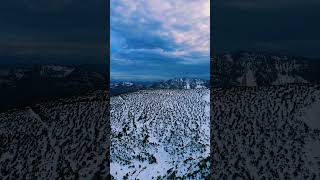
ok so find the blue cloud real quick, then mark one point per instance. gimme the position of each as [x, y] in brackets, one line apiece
[157, 38]
[117, 42]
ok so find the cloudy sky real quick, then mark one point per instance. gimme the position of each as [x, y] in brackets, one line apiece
[159, 39]
[281, 26]
[61, 31]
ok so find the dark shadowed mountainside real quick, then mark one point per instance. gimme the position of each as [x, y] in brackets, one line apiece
[22, 85]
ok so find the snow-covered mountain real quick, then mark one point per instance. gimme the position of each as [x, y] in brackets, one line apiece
[264, 127]
[122, 87]
[62, 139]
[182, 83]
[55, 71]
[263, 69]
[22, 85]
[17, 72]
[257, 133]
[265, 117]
[267, 132]
[117, 88]
[160, 134]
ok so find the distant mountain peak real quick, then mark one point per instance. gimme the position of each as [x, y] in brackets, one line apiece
[261, 69]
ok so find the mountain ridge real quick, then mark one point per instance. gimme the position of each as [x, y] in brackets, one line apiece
[262, 69]
[117, 88]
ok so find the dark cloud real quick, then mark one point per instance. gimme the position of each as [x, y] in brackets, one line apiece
[269, 4]
[280, 26]
[54, 26]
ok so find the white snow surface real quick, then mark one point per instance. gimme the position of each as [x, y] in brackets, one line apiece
[269, 132]
[160, 134]
[63, 139]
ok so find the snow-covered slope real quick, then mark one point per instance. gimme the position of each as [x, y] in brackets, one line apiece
[160, 134]
[117, 88]
[182, 83]
[267, 132]
[25, 85]
[262, 69]
[63, 139]
[55, 71]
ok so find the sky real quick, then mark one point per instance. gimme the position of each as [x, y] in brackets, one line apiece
[58, 31]
[159, 39]
[278, 26]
